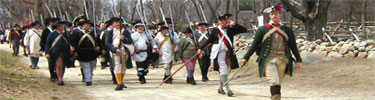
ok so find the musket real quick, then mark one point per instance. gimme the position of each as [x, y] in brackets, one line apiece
[67, 16]
[32, 15]
[58, 7]
[86, 13]
[113, 11]
[171, 15]
[170, 76]
[194, 37]
[166, 24]
[204, 16]
[234, 75]
[41, 20]
[142, 17]
[49, 10]
[54, 12]
[93, 16]
[120, 46]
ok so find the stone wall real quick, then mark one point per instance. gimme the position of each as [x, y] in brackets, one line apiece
[348, 48]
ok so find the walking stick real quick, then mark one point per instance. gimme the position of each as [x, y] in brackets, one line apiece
[235, 74]
[170, 76]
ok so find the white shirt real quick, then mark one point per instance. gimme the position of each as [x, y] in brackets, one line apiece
[116, 37]
[32, 39]
[166, 49]
[140, 42]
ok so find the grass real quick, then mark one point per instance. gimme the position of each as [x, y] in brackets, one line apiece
[19, 82]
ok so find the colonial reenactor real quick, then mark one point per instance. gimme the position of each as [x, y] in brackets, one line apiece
[274, 43]
[115, 41]
[69, 30]
[32, 40]
[104, 55]
[222, 52]
[104, 51]
[57, 50]
[49, 22]
[143, 43]
[24, 31]
[78, 27]
[154, 56]
[85, 45]
[15, 36]
[166, 52]
[201, 36]
[187, 50]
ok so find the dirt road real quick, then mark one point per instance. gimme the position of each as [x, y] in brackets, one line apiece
[314, 82]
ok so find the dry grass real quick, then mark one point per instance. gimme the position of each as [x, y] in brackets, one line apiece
[19, 82]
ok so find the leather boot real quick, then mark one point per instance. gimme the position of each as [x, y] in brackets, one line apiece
[276, 97]
[187, 80]
[230, 93]
[142, 79]
[192, 81]
[221, 91]
[83, 75]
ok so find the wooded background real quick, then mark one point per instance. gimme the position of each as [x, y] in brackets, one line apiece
[311, 15]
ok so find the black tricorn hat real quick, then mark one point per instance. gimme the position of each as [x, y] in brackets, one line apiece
[86, 22]
[114, 19]
[163, 27]
[224, 16]
[138, 23]
[58, 23]
[51, 19]
[16, 25]
[35, 23]
[152, 27]
[188, 30]
[76, 19]
[203, 23]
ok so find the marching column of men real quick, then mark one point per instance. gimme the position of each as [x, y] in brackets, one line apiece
[64, 42]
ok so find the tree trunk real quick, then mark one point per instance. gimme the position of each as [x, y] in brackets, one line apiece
[314, 16]
[313, 28]
[197, 10]
[227, 6]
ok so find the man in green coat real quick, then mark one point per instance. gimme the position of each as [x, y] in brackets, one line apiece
[274, 43]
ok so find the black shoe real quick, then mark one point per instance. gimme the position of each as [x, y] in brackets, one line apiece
[221, 91]
[60, 83]
[205, 79]
[192, 81]
[230, 93]
[53, 80]
[25, 55]
[88, 83]
[169, 81]
[37, 67]
[83, 75]
[123, 85]
[187, 80]
[142, 79]
[119, 87]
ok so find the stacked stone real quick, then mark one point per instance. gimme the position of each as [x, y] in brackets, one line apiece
[349, 48]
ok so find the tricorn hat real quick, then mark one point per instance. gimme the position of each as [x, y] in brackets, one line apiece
[51, 19]
[76, 20]
[224, 16]
[138, 23]
[274, 9]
